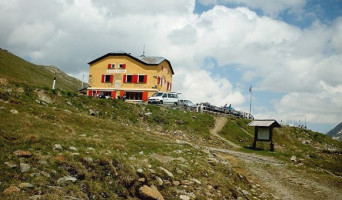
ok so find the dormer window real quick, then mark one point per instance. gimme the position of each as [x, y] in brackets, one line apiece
[122, 66]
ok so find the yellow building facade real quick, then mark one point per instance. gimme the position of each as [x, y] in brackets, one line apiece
[138, 78]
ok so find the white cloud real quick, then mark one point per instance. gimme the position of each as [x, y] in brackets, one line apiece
[270, 8]
[201, 86]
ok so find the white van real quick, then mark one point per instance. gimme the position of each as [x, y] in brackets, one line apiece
[164, 98]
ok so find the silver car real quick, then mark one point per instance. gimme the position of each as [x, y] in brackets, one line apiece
[163, 98]
[186, 103]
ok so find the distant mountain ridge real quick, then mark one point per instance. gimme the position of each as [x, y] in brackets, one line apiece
[336, 132]
[17, 69]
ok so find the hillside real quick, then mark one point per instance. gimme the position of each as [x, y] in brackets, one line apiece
[17, 69]
[59, 145]
[336, 132]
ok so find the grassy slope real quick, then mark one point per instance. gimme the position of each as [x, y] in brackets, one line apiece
[16, 69]
[124, 140]
[314, 150]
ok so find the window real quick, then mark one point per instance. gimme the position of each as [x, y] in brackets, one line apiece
[128, 78]
[111, 66]
[107, 79]
[134, 95]
[142, 78]
[122, 66]
[158, 94]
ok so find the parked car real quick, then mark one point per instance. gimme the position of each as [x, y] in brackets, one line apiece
[164, 98]
[186, 103]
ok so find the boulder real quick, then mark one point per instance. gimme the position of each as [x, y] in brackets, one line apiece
[294, 158]
[150, 192]
[20, 153]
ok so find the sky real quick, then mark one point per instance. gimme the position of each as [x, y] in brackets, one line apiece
[289, 51]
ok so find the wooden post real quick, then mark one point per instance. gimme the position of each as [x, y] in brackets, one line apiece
[255, 137]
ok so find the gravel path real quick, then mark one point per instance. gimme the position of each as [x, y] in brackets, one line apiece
[283, 181]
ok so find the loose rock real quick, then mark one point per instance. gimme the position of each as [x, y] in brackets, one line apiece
[10, 165]
[184, 197]
[14, 111]
[196, 181]
[57, 147]
[25, 154]
[24, 167]
[140, 171]
[66, 179]
[89, 159]
[73, 148]
[11, 190]
[176, 183]
[167, 172]
[150, 192]
[159, 180]
[25, 185]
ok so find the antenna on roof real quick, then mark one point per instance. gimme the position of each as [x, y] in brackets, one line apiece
[143, 54]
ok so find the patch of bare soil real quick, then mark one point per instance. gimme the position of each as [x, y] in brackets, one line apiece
[219, 124]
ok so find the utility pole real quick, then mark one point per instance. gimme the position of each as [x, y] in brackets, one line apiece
[250, 101]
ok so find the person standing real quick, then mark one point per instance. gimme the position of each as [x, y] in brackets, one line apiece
[230, 109]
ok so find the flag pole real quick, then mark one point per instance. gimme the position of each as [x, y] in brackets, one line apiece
[250, 101]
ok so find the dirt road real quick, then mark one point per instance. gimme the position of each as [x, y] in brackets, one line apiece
[283, 181]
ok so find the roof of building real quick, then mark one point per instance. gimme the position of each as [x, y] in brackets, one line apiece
[147, 60]
[264, 123]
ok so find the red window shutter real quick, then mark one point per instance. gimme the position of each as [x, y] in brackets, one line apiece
[122, 93]
[123, 66]
[111, 78]
[168, 85]
[109, 66]
[145, 78]
[103, 78]
[145, 96]
[135, 78]
[114, 94]
[90, 93]
[158, 80]
[124, 79]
